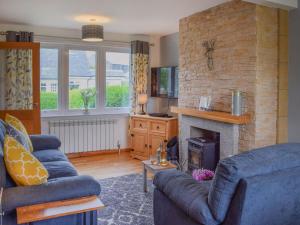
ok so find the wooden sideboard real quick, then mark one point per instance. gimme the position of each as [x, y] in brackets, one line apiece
[148, 132]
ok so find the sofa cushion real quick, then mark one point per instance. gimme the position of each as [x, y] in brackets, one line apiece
[186, 193]
[58, 169]
[2, 165]
[50, 155]
[15, 122]
[21, 165]
[257, 162]
[44, 142]
[18, 135]
[2, 132]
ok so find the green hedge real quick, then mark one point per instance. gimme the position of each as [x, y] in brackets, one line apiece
[75, 100]
[48, 100]
[116, 96]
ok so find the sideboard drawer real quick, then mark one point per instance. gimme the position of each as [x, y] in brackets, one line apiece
[158, 127]
[140, 124]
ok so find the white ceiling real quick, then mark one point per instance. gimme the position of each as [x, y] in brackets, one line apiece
[126, 16]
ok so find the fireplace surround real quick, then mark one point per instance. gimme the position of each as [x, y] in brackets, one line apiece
[191, 126]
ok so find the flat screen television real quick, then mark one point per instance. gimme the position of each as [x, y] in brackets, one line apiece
[164, 82]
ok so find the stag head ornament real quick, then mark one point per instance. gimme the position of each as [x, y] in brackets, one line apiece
[209, 49]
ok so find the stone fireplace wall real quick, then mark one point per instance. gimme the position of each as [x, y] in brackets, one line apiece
[245, 58]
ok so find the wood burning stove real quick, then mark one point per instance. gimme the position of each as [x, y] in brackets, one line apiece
[203, 153]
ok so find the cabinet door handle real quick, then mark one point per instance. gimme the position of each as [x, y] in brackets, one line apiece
[132, 135]
[150, 146]
[146, 145]
[141, 125]
[157, 127]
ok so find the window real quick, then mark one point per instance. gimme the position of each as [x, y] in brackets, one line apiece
[117, 79]
[82, 79]
[76, 77]
[49, 76]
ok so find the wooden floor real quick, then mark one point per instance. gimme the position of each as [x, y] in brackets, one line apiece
[107, 165]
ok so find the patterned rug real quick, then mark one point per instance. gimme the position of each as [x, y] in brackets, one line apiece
[125, 201]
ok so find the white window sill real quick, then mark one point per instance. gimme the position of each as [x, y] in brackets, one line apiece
[81, 114]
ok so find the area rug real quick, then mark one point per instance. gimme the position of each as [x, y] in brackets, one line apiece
[125, 201]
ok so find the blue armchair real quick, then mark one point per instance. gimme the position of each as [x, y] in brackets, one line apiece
[260, 187]
[63, 183]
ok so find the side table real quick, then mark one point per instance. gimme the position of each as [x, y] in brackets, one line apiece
[148, 166]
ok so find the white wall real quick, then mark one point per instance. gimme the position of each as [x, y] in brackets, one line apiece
[164, 53]
[169, 50]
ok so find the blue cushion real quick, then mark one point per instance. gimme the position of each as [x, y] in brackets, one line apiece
[58, 169]
[257, 162]
[2, 133]
[19, 136]
[44, 142]
[2, 165]
[50, 155]
[187, 194]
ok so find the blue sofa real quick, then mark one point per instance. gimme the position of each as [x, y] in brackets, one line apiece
[260, 187]
[63, 183]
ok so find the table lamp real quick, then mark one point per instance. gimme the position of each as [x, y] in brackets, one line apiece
[142, 100]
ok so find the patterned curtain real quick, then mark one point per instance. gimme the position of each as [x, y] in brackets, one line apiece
[18, 79]
[139, 71]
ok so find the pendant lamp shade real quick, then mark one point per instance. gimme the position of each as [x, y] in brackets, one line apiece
[92, 33]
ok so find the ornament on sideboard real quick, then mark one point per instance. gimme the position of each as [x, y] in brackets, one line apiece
[209, 49]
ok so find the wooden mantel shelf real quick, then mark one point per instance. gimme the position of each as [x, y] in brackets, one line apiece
[213, 115]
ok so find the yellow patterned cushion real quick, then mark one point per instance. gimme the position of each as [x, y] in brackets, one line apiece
[21, 165]
[16, 123]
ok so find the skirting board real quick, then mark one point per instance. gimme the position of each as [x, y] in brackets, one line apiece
[94, 153]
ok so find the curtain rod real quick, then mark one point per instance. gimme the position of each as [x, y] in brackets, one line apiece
[49, 36]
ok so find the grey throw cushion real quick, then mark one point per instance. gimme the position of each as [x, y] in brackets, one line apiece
[2, 133]
[257, 162]
[19, 136]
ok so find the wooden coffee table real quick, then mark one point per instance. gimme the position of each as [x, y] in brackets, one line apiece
[148, 166]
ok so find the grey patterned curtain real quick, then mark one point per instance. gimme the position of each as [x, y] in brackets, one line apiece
[139, 71]
[18, 79]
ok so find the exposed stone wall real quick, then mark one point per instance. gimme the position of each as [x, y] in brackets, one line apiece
[244, 59]
[282, 120]
[266, 76]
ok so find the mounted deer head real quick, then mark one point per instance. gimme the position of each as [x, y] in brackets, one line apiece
[209, 49]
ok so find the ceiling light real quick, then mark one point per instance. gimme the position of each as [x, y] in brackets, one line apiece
[92, 33]
[92, 19]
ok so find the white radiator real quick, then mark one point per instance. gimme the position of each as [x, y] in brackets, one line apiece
[86, 135]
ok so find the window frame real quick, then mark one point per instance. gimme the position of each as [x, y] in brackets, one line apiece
[80, 48]
[114, 109]
[63, 47]
[59, 76]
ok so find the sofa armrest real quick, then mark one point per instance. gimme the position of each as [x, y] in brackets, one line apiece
[187, 194]
[44, 142]
[55, 190]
